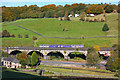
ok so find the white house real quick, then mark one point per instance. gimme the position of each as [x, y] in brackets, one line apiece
[91, 15]
[10, 62]
[70, 15]
[77, 15]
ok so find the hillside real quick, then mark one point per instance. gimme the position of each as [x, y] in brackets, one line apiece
[52, 27]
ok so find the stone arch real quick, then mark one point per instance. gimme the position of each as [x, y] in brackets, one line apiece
[57, 54]
[15, 52]
[78, 54]
[39, 53]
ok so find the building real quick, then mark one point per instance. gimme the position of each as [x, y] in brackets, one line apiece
[77, 15]
[91, 15]
[10, 62]
[70, 15]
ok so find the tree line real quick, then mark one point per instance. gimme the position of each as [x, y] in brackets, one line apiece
[53, 11]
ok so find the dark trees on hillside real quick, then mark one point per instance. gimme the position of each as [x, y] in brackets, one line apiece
[109, 9]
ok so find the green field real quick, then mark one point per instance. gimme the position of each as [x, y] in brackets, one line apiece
[51, 27]
[74, 71]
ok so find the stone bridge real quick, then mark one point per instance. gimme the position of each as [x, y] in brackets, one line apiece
[45, 51]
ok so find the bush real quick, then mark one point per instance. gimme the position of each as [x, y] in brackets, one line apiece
[61, 18]
[87, 19]
[34, 38]
[12, 35]
[5, 54]
[65, 29]
[91, 21]
[68, 18]
[102, 20]
[5, 33]
[95, 20]
[19, 36]
[26, 36]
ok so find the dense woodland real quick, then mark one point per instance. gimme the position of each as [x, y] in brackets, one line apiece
[53, 11]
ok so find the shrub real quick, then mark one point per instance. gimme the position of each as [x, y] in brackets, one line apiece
[98, 19]
[65, 29]
[34, 38]
[95, 20]
[91, 20]
[61, 18]
[5, 54]
[87, 19]
[19, 36]
[5, 33]
[26, 36]
[68, 18]
[12, 35]
[102, 20]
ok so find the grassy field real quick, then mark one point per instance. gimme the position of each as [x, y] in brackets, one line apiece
[51, 27]
[78, 72]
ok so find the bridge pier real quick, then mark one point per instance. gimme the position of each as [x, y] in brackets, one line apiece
[45, 57]
[66, 57]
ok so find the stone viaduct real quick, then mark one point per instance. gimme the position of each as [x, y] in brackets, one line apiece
[45, 51]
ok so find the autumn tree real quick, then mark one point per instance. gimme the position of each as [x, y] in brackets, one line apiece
[97, 48]
[95, 9]
[22, 57]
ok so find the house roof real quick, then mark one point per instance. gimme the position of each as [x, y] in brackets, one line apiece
[10, 59]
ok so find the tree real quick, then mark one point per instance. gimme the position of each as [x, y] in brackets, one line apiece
[5, 54]
[113, 62]
[26, 36]
[82, 16]
[19, 36]
[105, 28]
[23, 62]
[109, 8]
[5, 33]
[34, 59]
[12, 35]
[66, 16]
[92, 57]
[34, 38]
[97, 48]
